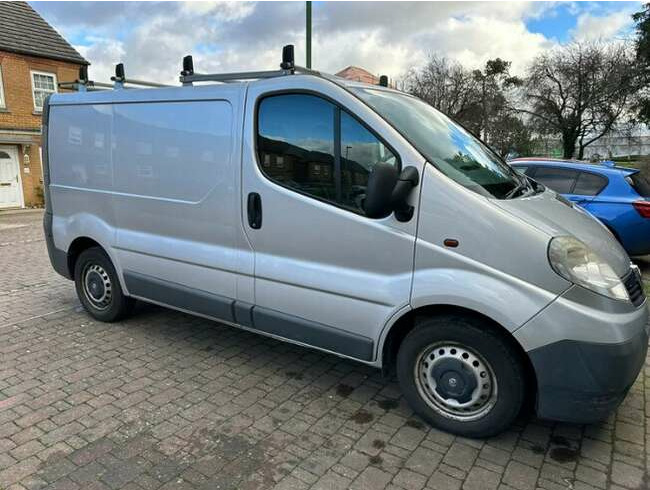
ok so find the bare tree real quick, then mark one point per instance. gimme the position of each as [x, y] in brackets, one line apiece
[581, 91]
[446, 85]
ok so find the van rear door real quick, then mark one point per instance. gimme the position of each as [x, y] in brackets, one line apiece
[325, 274]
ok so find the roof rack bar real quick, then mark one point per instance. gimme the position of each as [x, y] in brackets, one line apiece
[287, 67]
[245, 75]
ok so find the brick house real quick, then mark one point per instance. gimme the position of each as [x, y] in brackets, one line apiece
[33, 59]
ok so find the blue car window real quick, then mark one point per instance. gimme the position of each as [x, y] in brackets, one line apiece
[560, 180]
[589, 184]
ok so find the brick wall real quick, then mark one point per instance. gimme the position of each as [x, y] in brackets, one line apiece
[19, 113]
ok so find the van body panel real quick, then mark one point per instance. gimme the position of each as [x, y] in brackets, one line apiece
[499, 267]
[319, 262]
[547, 213]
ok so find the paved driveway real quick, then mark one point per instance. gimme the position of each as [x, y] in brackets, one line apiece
[166, 400]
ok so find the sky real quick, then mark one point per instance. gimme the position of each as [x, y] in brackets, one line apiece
[151, 38]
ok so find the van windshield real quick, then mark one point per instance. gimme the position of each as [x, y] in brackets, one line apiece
[448, 146]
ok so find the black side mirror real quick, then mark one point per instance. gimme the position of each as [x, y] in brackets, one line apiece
[407, 180]
[381, 183]
[387, 191]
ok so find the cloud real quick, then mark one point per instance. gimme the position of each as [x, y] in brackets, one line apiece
[591, 27]
[384, 37]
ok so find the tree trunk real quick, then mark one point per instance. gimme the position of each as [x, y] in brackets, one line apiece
[568, 144]
[581, 152]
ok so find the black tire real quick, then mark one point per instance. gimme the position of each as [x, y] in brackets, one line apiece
[94, 274]
[495, 403]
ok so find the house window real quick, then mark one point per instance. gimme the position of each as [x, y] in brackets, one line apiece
[2, 92]
[43, 84]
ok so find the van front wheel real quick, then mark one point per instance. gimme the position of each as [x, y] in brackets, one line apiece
[461, 376]
[98, 287]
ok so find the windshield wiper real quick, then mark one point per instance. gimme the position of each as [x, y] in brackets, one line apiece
[523, 185]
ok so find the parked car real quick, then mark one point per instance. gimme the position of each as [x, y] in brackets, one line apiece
[241, 202]
[617, 196]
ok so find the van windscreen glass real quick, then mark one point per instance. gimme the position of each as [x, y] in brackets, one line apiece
[447, 145]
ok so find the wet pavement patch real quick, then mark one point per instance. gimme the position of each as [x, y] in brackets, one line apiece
[344, 390]
[564, 454]
[293, 375]
[362, 416]
[388, 404]
[416, 424]
[376, 460]
[378, 444]
[537, 449]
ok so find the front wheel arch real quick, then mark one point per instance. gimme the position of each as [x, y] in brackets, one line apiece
[409, 320]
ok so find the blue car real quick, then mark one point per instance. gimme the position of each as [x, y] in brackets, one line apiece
[617, 196]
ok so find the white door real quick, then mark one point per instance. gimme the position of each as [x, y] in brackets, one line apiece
[11, 194]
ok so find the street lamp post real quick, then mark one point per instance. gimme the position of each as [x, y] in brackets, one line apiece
[308, 33]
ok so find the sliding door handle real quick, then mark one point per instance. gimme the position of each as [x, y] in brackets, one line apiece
[254, 210]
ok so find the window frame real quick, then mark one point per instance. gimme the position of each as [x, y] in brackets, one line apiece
[337, 143]
[44, 73]
[3, 100]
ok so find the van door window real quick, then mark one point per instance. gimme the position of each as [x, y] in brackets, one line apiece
[311, 145]
[296, 143]
[560, 180]
[360, 152]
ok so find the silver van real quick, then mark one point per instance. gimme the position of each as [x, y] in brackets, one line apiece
[350, 218]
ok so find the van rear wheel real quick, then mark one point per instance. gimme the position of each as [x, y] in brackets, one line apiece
[98, 287]
[461, 376]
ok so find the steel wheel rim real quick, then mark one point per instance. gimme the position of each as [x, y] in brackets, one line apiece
[97, 286]
[429, 382]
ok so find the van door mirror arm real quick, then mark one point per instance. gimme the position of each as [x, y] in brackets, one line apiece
[408, 179]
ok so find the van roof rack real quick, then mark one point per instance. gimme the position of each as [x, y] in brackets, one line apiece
[188, 76]
[287, 67]
[83, 84]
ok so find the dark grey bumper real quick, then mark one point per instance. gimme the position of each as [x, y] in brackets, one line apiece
[584, 382]
[58, 258]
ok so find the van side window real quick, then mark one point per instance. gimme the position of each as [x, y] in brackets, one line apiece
[309, 144]
[560, 180]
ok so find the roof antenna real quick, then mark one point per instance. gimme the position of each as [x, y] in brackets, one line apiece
[188, 68]
[383, 81]
[119, 77]
[288, 59]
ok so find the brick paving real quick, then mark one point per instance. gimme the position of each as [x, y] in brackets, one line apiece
[167, 400]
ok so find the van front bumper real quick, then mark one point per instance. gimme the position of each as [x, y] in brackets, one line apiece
[590, 357]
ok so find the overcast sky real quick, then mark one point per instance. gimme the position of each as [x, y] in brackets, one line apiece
[384, 37]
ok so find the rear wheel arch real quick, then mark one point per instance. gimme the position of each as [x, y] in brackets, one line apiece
[75, 249]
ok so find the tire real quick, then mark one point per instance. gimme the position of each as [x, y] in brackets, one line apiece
[98, 287]
[470, 379]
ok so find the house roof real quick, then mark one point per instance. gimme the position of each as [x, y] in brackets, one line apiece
[24, 31]
[357, 74]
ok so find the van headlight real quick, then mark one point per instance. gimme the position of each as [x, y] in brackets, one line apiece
[576, 262]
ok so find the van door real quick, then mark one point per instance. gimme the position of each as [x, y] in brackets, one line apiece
[325, 274]
[179, 240]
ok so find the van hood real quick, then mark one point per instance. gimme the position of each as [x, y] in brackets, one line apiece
[555, 216]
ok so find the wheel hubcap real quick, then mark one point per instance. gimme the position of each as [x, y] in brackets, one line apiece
[455, 381]
[97, 286]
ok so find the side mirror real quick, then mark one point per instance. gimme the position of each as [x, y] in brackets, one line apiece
[381, 183]
[387, 191]
[407, 180]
